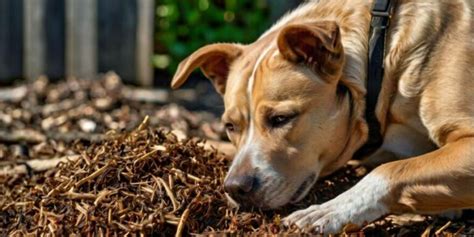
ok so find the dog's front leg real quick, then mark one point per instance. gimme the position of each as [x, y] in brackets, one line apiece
[432, 183]
[363, 202]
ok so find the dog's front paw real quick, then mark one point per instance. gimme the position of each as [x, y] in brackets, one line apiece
[319, 218]
[362, 203]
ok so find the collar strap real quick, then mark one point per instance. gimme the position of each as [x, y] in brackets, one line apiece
[378, 25]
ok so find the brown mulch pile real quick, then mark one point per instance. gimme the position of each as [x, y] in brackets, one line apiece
[38, 120]
[139, 182]
[141, 175]
[145, 181]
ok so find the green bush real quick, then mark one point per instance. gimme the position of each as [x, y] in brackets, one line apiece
[184, 26]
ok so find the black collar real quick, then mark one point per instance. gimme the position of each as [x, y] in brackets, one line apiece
[378, 25]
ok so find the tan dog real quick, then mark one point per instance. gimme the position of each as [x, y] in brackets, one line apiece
[295, 101]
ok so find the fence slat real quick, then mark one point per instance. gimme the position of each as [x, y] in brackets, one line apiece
[34, 40]
[145, 42]
[77, 38]
[81, 38]
[55, 38]
[11, 39]
[117, 37]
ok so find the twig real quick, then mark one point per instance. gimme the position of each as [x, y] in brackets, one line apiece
[169, 192]
[23, 135]
[36, 165]
[458, 232]
[184, 216]
[224, 147]
[146, 95]
[73, 195]
[121, 226]
[427, 231]
[444, 227]
[145, 156]
[102, 195]
[144, 123]
[56, 107]
[94, 175]
[13, 94]
[81, 209]
[79, 219]
[190, 176]
[172, 222]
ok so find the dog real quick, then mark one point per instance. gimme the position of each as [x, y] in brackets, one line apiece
[295, 101]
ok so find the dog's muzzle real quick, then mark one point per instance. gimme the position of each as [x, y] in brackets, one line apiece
[240, 188]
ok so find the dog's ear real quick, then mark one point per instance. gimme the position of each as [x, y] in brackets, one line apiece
[214, 61]
[318, 45]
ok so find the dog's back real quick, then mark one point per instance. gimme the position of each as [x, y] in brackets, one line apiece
[430, 55]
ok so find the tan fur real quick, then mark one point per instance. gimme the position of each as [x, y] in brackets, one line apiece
[425, 108]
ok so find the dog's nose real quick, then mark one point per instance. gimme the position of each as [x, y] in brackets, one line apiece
[239, 186]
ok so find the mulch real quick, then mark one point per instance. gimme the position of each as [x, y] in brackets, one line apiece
[133, 163]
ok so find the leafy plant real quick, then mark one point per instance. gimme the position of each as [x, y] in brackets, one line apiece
[184, 26]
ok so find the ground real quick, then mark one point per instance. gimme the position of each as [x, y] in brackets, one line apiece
[96, 156]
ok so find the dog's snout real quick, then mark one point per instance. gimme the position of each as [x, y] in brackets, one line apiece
[240, 186]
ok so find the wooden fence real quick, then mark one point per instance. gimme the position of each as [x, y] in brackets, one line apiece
[77, 38]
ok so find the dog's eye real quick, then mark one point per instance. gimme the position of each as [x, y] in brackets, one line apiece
[279, 120]
[229, 127]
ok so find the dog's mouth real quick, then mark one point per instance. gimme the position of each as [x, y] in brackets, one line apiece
[303, 189]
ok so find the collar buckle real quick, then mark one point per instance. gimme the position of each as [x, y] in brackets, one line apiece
[381, 8]
[380, 13]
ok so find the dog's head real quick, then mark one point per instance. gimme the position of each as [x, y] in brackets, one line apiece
[287, 110]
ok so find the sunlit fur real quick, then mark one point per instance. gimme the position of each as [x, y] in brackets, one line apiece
[425, 107]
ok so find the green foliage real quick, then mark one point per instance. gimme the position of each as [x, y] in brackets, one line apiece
[183, 26]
